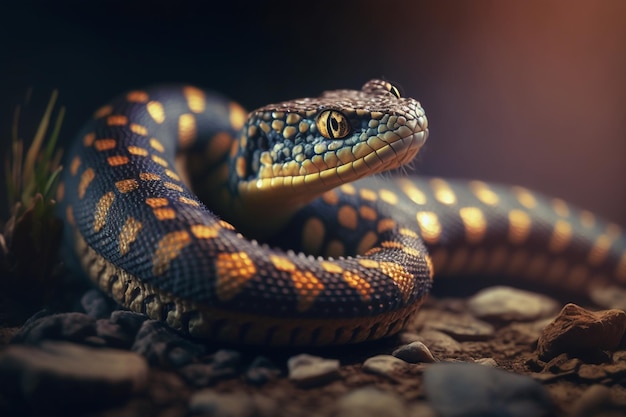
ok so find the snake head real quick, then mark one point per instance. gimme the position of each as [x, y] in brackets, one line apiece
[320, 143]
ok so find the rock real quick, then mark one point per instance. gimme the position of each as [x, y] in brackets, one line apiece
[464, 329]
[65, 377]
[261, 370]
[609, 297]
[113, 335]
[576, 330]
[212, 403]
[440, 342]
[414, 353]
[487, 362]
[370, 402]
[595, 399]
[466, 389]
[511, 304]
[307, 370]
[385, 365]
[129, 321]
[71, 327]
[162, 347]
[223, 364]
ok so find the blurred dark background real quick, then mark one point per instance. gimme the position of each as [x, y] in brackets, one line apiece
[530, 92]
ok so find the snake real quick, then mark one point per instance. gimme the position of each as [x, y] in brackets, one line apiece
[273, 228]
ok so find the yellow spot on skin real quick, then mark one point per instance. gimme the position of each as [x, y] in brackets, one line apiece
[137, 97]
[240, 167]
[330, 197]
[408, 232]
[234, 270]
[102, 208]
[525, 197]
[305, 283]
[367, 242]
[128, 234]
[89, 139]
[519, 226]
[85, 179]
[196, 99]
[103, 112]
[164, 213]
[104, 144]
[60, 191]
[347, 217]
[335, 248]
[117, 120]
[69, 215]
[226, 225]
[155, 202]
[429, 225]
[331, 267]
[156, 145]
[403, 279]
[369, 263]
[388, 197]
[149, 176]
[484, 193]
[348, 189]
[75, 165]
[117, 160]
[415, 194]
[600, 250]
[186, 130]
[385, 225]
[139, 129]
[202, 231]
[156, 111]
[475, 224]
[587, 219]
[367, 213]
[172, 174]
[367, 194]
[135, 150]
[173, 186]
[620, 271]
[313, 235]
[159, 160]
[168, 249]
[443, 192]
[126, 186]
[359, 284]
[561, 236]
[560, 207]
[238, 116]
[188, 201]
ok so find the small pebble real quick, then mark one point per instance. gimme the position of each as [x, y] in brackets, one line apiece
[487, 362]
[595, 399]
[385, 365]
[129, 321]
[511, 304]
[307, 370]
[162, 347]
[370, 402]
[414, 353]
[576, 330]
[211, 403]
[467, 389]
[610, 297]
[71, 327]
[261, 370]
[440, 342]
[202, 375]
[57, 377]
[113, 334]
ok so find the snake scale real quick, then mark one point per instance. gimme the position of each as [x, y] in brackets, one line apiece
[289, 238]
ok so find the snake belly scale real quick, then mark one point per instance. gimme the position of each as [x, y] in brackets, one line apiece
[345, 257]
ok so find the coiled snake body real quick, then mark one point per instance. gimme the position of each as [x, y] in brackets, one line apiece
[345, 257]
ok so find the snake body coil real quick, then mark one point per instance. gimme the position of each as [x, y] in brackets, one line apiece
[345, 258]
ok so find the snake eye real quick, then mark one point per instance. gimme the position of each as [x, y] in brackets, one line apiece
[332, 124]
[395, 91]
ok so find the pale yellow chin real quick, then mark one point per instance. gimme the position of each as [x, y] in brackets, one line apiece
[278, 194]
